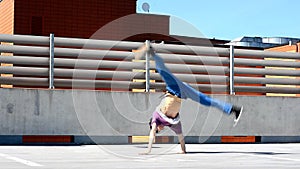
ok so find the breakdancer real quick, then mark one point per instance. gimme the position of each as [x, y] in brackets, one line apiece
[167, 113]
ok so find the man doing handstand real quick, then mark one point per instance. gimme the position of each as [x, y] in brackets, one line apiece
[167, 113]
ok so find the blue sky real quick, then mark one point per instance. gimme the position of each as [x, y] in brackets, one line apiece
[229, 19]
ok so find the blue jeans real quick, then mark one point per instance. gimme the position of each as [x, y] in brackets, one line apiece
[184, 91]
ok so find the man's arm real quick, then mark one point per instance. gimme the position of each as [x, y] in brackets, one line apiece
[182, 143]
[151, 139]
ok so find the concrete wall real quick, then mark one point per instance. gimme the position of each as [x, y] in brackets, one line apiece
[81, 113]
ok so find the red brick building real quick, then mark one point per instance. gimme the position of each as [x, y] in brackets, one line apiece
[101, 19]
[77, 18]
[70, 18]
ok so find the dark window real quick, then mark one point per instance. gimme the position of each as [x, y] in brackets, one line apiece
[36, 25]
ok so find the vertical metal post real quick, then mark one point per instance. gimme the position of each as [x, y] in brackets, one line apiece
[231, 73]
[147, 67]
[51, 62]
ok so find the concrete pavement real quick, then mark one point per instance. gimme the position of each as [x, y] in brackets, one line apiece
[163, 156]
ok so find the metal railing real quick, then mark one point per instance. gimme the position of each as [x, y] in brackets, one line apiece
[72, 63]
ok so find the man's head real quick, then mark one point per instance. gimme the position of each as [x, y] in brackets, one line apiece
[158, 127]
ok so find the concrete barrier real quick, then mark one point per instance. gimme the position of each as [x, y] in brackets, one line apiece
[99, 113]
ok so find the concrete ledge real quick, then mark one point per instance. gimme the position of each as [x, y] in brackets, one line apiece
[10, 140]
[202, 139]
[280, 139]
[113, 140]
[100, 140]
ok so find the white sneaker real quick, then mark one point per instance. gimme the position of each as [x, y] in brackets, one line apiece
[238, 111]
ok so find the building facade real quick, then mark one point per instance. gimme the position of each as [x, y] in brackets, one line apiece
[114, 20]
[285, 48]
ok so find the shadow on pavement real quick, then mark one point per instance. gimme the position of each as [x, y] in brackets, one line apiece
[235, 152]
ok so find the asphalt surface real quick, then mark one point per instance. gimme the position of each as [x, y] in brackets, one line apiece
[162, 156]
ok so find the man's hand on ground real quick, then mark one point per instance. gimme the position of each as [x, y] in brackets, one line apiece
[144, 153]
[181, 152]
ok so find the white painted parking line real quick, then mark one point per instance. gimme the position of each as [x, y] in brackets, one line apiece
[19, 160]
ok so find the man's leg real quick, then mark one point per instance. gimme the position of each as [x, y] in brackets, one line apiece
[200, 97]
[185, 91]
[172, 82]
